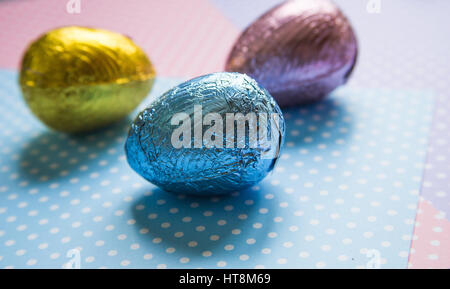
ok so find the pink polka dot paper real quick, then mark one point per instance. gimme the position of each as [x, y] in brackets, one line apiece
[431, 239]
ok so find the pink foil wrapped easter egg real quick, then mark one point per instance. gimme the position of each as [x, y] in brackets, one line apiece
[299, 51]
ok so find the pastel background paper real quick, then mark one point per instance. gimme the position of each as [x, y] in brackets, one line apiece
[397, 51]
[348, 182]
[430, 239]
[182, 38]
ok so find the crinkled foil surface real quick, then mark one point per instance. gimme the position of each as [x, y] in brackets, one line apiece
[78, 79]
[300, 51]
[203, 171]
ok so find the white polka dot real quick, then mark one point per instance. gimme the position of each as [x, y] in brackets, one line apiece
[125, 263]
[184, 260]
[330, 231]
[221, 222]
[303, 254]
[288, 244]
[347, 241]
[43, 246]
[206, 253]
[179, 234]
[437, 229]
[433, 257]
[244, 257]
[325, 248]
[10, 243]
[293, 228]
[309, 238]
[320, 265]
[229, 247]
[31, 262]
[389, 228]
[435, 243]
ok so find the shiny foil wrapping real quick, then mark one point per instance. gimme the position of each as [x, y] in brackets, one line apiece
[300, 51]
[78, 79]
[204, 171]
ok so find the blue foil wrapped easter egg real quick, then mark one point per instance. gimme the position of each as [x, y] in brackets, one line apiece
[213, 134]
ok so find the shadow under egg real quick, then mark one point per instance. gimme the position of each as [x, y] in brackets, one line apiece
[318, 126]
[53, 155]
[203, 228]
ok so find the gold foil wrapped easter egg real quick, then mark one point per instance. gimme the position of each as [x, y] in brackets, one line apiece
[77, 79]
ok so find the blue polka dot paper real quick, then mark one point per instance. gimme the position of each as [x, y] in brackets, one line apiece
[344, 192]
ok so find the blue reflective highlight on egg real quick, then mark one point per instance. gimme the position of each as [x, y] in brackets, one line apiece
[202, 159]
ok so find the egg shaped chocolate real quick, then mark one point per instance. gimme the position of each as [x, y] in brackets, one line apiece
[299, 51]
[213, 134]
[78, 79]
